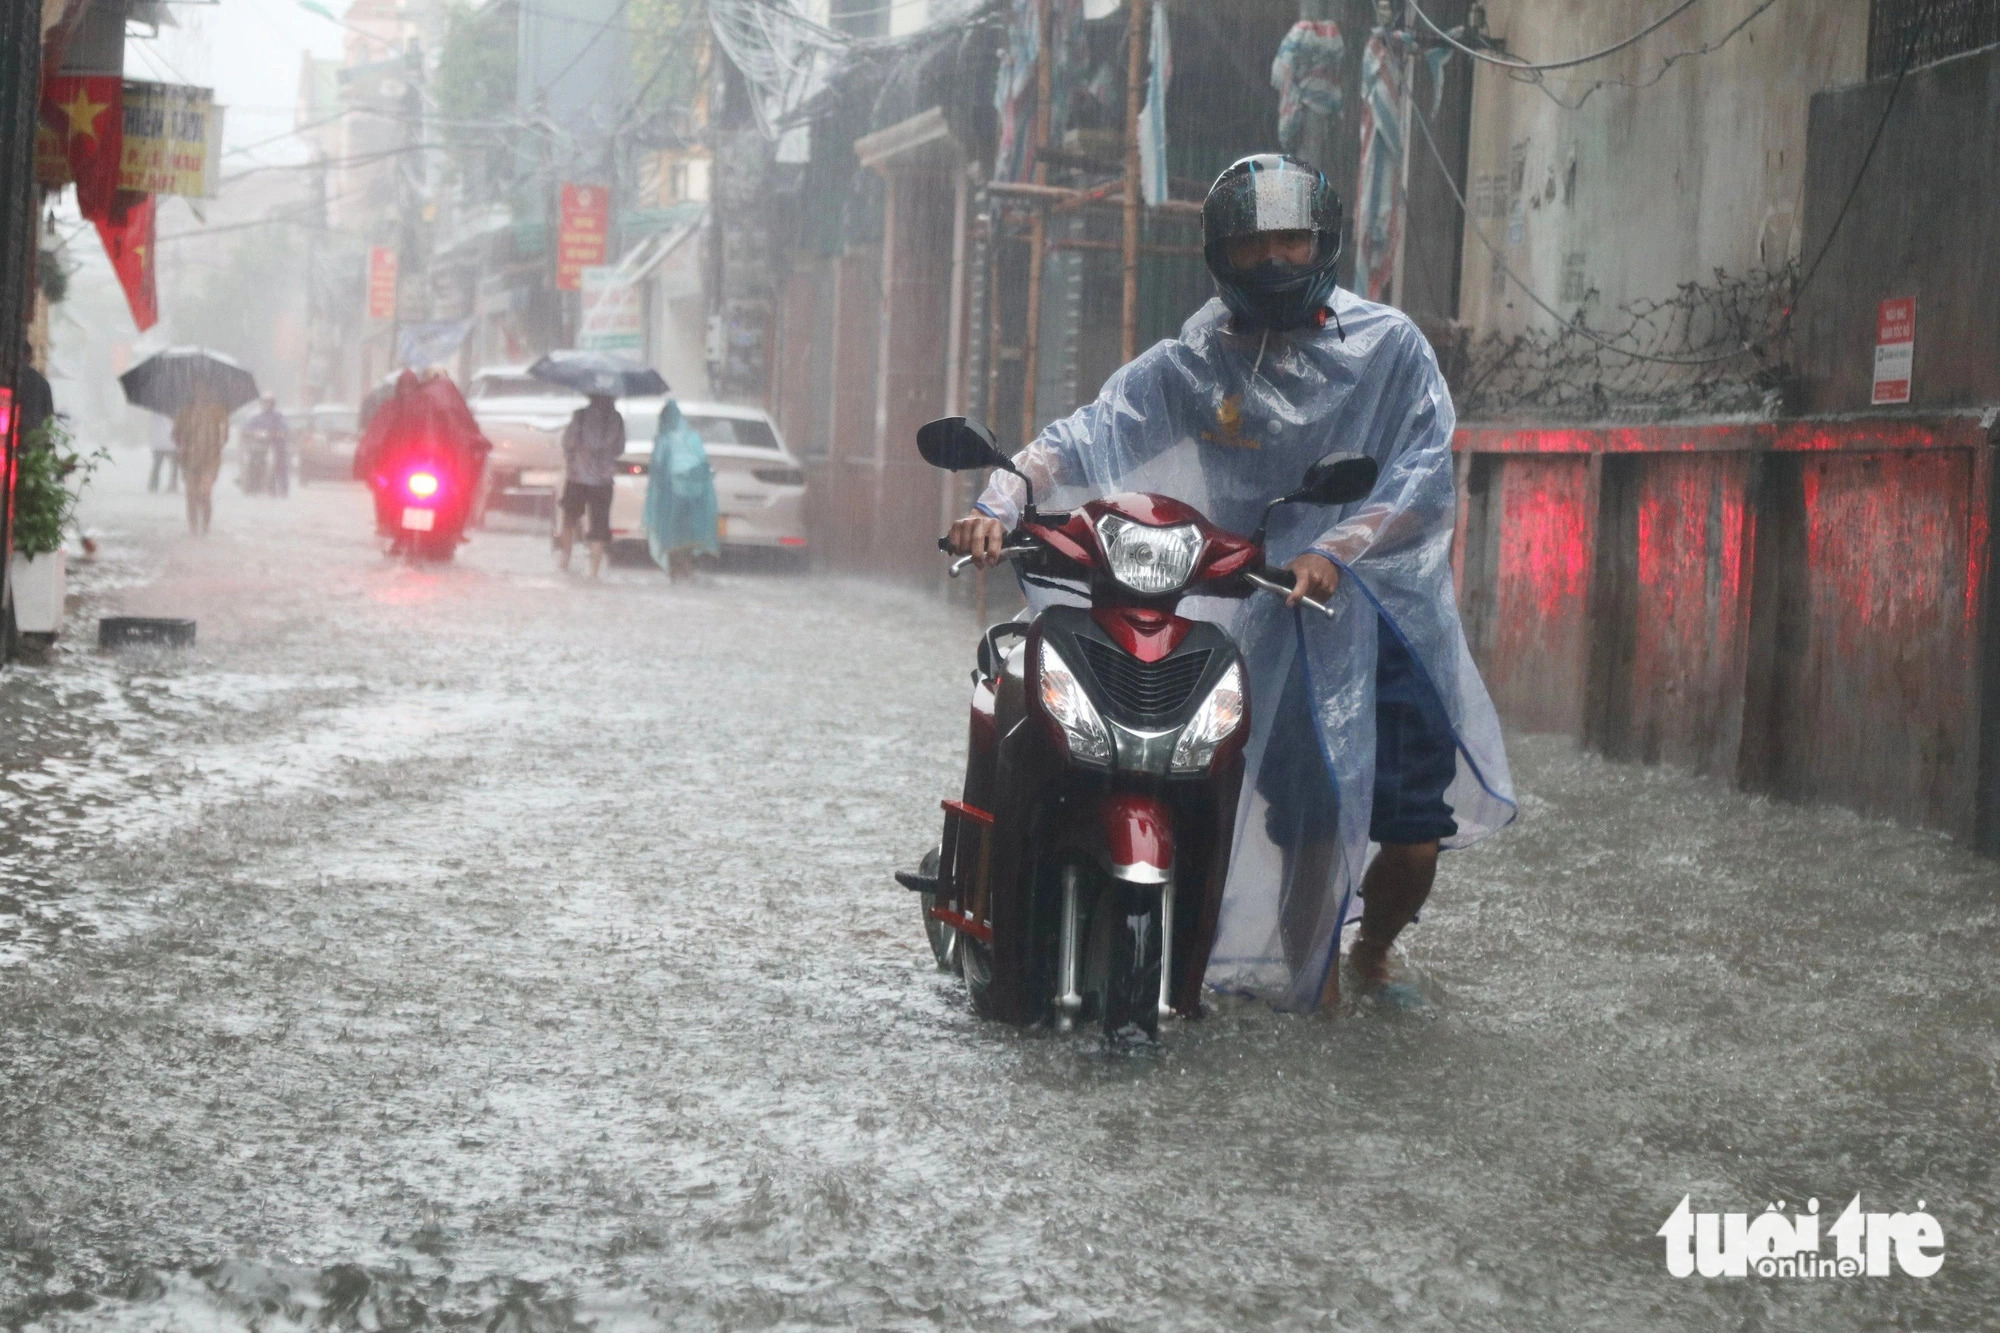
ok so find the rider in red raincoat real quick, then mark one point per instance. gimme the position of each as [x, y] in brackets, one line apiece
[424, 420]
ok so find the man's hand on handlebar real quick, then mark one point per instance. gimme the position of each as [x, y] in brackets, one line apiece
[979, 536]
[1314, 576]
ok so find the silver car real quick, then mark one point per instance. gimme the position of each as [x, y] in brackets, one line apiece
[524, 418]
[760, 489]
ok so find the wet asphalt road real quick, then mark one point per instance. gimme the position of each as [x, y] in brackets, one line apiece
[480, 947]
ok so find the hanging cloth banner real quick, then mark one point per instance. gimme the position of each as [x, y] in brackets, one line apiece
[1306, 74]
[81, 138]
[1013, 92]
[1153, 175]
[127, 233]
[1378, 214]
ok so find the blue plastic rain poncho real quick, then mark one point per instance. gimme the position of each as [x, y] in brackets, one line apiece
[680, 490]
[1226, 421]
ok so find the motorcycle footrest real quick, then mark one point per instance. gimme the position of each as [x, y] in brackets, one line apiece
[917, 882]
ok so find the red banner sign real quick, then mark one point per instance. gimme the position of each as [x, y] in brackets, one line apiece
[127, 233]
[583, 237]
[381, 282]
[1895, 349]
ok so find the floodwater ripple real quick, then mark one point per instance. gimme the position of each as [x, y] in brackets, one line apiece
[475, 946]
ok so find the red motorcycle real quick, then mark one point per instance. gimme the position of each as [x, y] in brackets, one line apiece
[1080, 872]
[421, 456]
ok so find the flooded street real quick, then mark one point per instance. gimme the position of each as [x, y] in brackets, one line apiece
[480, 945]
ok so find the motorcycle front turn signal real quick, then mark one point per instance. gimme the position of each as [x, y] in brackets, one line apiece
[1220, 714]
[1064, 700]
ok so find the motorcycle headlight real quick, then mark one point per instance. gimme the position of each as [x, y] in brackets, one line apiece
[1149, 560]
[1220, 714]
[1063, 697]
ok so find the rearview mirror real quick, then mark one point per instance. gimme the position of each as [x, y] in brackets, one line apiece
[960, 444]
[1336, 479]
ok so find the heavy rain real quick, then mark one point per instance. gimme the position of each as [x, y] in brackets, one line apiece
[481, 676]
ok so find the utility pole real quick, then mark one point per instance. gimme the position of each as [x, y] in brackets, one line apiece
[1408, 40]
[1135, 71]
[1037, 231]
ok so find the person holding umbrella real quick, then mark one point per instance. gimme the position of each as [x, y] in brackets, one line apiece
[198, 389]
[591, 445]
[200, 430]
[593, 441]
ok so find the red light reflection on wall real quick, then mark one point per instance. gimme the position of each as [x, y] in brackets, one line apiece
[1537, 659]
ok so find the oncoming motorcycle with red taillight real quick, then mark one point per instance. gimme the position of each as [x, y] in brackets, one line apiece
[1080, 871]
[421, 500]
[421, 457]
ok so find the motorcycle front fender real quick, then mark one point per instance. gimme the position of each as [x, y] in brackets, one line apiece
[1135, 837]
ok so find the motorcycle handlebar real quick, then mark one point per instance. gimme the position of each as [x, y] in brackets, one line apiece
[958, 565]
[1280, 581]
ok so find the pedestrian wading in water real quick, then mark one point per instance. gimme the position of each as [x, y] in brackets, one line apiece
[680, 496]
[200, 430]
[592, 442]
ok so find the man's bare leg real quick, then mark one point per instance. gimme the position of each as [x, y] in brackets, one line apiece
[565, 540]
[597, 550]
[1392, 894]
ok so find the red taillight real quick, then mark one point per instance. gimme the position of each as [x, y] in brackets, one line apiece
[423, 485]
[791, 541]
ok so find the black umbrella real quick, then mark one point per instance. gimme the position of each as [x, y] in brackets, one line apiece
[599, 373]
[169, 381]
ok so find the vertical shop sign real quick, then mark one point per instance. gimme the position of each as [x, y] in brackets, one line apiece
[582, 233]
[613, 313]
[1895, 349]
[381, 282]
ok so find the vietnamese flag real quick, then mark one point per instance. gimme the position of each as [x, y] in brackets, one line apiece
[127, 230]
[86, 112]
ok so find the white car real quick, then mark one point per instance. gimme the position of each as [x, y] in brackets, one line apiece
[524, 418]
[760, 489]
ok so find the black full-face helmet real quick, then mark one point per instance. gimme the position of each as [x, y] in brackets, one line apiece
[1263, 193]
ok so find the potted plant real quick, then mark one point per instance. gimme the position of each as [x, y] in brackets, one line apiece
[49, 478]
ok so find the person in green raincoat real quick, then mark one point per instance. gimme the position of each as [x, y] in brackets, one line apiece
[680, 496]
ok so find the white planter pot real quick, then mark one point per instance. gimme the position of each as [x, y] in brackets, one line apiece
[38, 585]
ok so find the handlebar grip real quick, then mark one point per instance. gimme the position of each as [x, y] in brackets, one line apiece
[944, 545]
[1284, 581]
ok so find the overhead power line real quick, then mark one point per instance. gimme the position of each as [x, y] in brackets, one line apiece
[1509, 62]
[1666, 63]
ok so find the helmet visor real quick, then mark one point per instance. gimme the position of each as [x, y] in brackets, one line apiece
[1270, 210]
[1278, 197]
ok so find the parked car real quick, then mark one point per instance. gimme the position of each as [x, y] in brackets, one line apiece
[760, 489]
[524, 418]
[325, 435]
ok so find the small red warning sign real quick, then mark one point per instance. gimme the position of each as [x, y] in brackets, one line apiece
[1895, 349]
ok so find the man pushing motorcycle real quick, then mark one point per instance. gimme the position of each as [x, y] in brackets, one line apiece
[1370, 725]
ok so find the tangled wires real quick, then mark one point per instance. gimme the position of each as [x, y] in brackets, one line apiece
[1652, 360]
